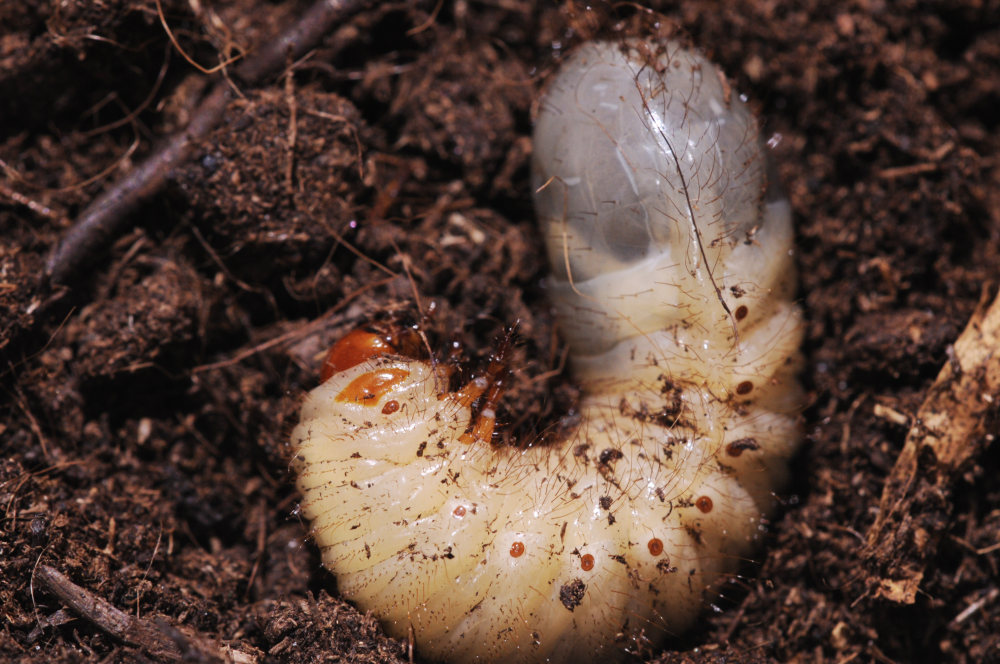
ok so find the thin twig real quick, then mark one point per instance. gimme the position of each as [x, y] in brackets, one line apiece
[261, 547]
[33, 205]
[293, 131]
[104, 218]
[173, 40]
[132, 114]
[129, 629]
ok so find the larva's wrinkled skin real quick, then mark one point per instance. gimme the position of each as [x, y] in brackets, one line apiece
[673, 280]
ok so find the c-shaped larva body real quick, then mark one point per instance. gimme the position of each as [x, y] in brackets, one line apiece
[673, 280]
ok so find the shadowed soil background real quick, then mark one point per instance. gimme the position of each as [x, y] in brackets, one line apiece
[146, 404]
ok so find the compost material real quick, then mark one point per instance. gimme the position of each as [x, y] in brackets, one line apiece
[147, 511]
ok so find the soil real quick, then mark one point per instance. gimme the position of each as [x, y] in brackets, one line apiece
[146, 405]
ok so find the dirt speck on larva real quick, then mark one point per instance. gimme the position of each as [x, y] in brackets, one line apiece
[571, 594]
[145, 413]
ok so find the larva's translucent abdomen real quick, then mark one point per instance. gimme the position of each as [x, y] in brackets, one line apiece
[652, 185]
[672, 277]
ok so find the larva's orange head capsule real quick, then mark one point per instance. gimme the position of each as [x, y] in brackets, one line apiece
[353, 349]
[361, 344]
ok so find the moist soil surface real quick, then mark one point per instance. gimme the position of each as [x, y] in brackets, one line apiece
[147, 400]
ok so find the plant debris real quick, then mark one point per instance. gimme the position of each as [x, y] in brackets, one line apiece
[383, 175]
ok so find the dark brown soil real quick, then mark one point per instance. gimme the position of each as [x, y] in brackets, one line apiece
[145, 409]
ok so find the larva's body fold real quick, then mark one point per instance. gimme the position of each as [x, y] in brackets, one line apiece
[672, 279]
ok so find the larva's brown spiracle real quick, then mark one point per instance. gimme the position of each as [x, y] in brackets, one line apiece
[672, 276]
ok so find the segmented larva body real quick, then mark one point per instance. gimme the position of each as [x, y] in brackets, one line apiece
[673, 278]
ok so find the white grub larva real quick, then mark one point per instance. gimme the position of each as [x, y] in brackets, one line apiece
[673, 278]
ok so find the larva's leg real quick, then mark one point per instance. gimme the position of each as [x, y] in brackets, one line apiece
[483, 393]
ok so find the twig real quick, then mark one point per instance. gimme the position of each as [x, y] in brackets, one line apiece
[948, 431]
[912, 169]
[129, 629]
[29, 203]
[293, 131]
[974, 607]
[261, 547]
[103, 219]
[173, 40]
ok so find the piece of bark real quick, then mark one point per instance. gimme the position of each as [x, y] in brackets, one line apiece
[948, 430]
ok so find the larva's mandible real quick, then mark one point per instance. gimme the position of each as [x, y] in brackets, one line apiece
[673, 278]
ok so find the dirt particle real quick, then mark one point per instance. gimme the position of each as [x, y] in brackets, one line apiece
[609, 456]
[571, 594]
[737, 447]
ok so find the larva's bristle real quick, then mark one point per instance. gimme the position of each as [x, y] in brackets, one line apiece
[673, 282]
